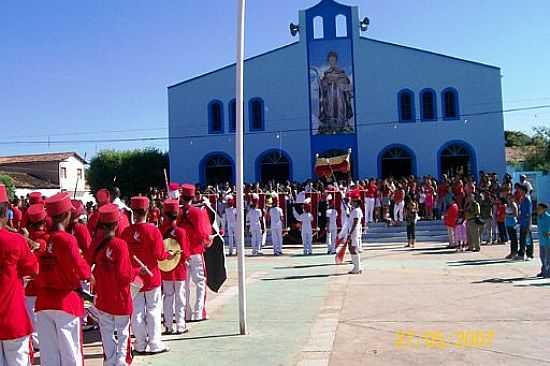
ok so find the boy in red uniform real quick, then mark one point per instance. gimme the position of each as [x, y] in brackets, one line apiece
[146, 248]
[198, 229]
[58, 305]
[36, 216]
[16, 261]
[173, 282]
[113, 273]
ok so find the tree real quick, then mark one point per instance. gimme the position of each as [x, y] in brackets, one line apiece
[10, 187]
[517, 138]
[539, 159]
[133, 171]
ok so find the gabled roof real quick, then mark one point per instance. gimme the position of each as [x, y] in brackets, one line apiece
[39, 158]
[28, 181]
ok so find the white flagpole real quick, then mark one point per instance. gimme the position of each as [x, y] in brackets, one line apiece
[239, 66]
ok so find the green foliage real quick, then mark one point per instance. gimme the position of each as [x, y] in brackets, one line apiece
[10, 187]
[133, 171]
[539, 159]
[516, 138]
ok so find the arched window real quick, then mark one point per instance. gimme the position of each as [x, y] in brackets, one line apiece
[215, 117]
[341, 26]
[273, 165]
[216, 168]
[405, 101]
[256, 114]
[428, 105]
[396, 161]
[449, 98]
[232, 115]
[457, 158]
[318, 28]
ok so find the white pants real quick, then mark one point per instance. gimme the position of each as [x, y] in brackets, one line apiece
[277, 239]
[196, 273]
[146, 320]
[15, 352]
[115, 350]
[174, 303]
[60, 338]
[369, 206]
[30, 301]
[332, 235]
[231, 240]
[398, 211]
[307, 240]
[256, 241]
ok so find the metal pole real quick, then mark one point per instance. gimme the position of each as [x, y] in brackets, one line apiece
[239, 164]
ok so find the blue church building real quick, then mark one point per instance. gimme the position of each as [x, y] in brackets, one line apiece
[400, 110]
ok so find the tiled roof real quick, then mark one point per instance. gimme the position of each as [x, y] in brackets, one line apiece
[519, 154]
[25, 180]
[50, 157]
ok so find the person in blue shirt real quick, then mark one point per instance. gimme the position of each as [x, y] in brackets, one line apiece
[544, 239]
[525, 221]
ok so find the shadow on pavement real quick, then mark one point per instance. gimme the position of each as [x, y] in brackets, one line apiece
[200, 337]
[437, 252]
[304, 277]
[505, 280]
[308, 266]
[479, 262]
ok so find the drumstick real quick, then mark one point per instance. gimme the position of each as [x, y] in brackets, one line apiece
[143, 266]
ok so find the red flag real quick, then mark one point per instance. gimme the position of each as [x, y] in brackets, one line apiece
[341, 246]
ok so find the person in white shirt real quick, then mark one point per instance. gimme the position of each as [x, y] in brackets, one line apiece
[306, 219]
[277, 219]
[256, 224]
[230, 218]
[355, 232]
[345, 211]
[332, 228]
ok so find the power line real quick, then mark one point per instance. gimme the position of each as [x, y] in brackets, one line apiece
[276, 132]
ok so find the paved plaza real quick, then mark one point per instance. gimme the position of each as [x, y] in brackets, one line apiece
[422, 306]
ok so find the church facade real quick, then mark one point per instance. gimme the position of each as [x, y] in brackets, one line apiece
[399, 110]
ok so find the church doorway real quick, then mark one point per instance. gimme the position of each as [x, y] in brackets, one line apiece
[273, 165]
[217, 169]
[456, 159]
[396, 161]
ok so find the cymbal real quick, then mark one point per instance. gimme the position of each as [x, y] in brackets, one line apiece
[170, 245]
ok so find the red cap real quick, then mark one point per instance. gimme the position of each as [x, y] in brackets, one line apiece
[139, 203]
[78, 208]
[103, 196]
[171, 206]
[355, 195]
[35, 197]
[58, 204]
[36, 213]
[3, 194]
[187, 190]
[173, 186]
[109, 214]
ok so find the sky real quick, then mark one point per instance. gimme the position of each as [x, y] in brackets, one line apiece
[98, 70]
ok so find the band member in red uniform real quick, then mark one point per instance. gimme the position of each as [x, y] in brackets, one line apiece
[36, 216]
[58, 305]
[16, 261]
[146, 249]
[198, 229]
[35, 198]
[113, 273]
[173, 282]
[79, 229]
[103, 197]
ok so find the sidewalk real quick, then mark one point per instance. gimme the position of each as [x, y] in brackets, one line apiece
[426, 306]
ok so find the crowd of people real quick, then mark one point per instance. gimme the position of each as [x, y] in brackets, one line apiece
[56, 252]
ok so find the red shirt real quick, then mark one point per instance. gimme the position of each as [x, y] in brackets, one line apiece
[61, 270]
[399, 196]
[17, 217]
[113, 273]
[501, 212]
[180, 272]
[145, 242]
[197, 226]
[154, 216]
[372, 190]
[16, 261]
[83, 237]
[452, 215]
[41, 237]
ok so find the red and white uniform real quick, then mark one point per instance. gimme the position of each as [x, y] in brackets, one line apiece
[194, 220]
[58, 305]
[113, 273]
[16, 261]
[31, 291]
[173, 282]
[145, 242]
[370, 200]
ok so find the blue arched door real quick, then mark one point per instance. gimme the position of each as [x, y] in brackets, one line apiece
[217, 169]
[457, 158]
[396, 161]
